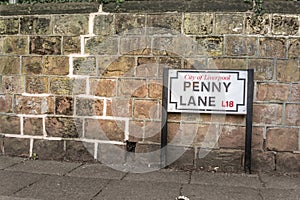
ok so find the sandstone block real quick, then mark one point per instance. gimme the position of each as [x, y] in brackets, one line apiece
[212, 45]
[71, 45]
[136, 130]
[295, 93]
[64, 105]
[84, 66]
[111, 154]
[153, 131]
[49, 149]
[227, 63]
[70, 24]
[155, 89]
[272, 92]
[185, 161]
[99, 45]
[33, 126]
[232, 137]
[17, 45]
[267, 113]
[119, 107]
[198, 24]
[9, 65]
[147, 67]
[34, 105]
[45, 45]
[36, 84]
[272, 47]
[135, 45]
[132, 88]
[146, 109]
[130, 23]
[287, 162]
[293, 114]
[32, 65]
[10, 124]
[35, 25]
[116, 66]
[241, 46]
[6, 103]
[9, 26]
[229, 23]
[170, 61]
[258, 25]
[282, 139]
[89, 107]
[285, 25]
[13, 84]
[63, 127]
[103, 87]
[79, 151]
[56, 65]
[16, 147]
[288, 71]
[104, 25]
[263, 161]
[294, 48]
[263, 68]
[166, 23]
[206, 135]
[67, 86]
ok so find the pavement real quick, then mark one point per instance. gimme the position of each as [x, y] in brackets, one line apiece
[24, 179]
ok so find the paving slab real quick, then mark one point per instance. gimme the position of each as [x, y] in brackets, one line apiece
[221, 179]
[212, 192]
[15, 198]
[11, 182]
[6, 161]
[160, 176]
[138, 190]
[278, 194]
[63, 188]
[44, 167]
[97, 171]
[281, 182]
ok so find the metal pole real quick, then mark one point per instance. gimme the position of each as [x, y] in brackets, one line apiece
[248, 139]
[164, 118]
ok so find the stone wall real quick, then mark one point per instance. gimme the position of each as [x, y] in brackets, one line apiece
[75, 85]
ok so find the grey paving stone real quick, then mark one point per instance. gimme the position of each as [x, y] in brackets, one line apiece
[11, 182]
[277, 194]
[15, 198]
[44, 167]
[6, 161]
[160, 176]
[96, 171]
[137, 190]
[234, 180]
[63, 188]
[281, 182]
[211, 192]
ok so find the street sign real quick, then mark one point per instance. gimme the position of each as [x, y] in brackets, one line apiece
[207, 91]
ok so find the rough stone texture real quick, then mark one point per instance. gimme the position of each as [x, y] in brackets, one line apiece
[167, 23]
[56, 65]
[212, 45]
[272, 92]
[272, 47]
[258, 24]
[71, 45]
[84, 66]
[64, 105]
[119, 107]
[132, 88]
[15, 45]
[45, 45]
[135, 45]
[99, 45]
[63, 127]
[79, 151]
[145, 109]
[103, 25]
[35, 25]
[10, 124]
[229, 24]
[263, 161]
[294, 48]
[103, 87]
[67, 86]
[16, 147]
[241, 46]
[295, 93]
[285, 25]
[198, 24]
[116, 66]
[282, 139]
[264, 68]
[36, 84]
[293, 114]
[288, 70]
[32, 65]
[267, 114]
[89, 107]
[232, 137]
[130, 23]
[33, 126]
[9, 26]
[34, 105]
[6, 103]
[287, 162]
[9, 65]
[49, 149]
[70, 25]
[155, 89]
[136, 131]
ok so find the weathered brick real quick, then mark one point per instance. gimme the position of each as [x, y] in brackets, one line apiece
[70, 24]
[264, 68]
[232, 137]
[288, 71]
[130, 23]
[146, 109]
[164, 23]
[45, 45]
[63, 127]
[174, 132]
[49, 149]
[35, 25]
[9, 65]
[293, 114]
[10, 124]
[206, 135]
[135, 45]
[263, 161]
[79, 151]
[198, 24]
[227, 63]
[64, 105]
[89, 107]
[147, 67]
[212, 45]
[104, 25]
[32, 65]
[136, 130]
[155, 89]
[56, 65]
[71, 45]
[267, 113]
[116, 66]
[103, 87]
[33, 126]
[272, 92]
[282, 139]
[34, 105]
[13, 84]
[152, 131]
[15, 45]
[84, 66]
[6, 103]
[288, 162]
[285, 25]
[9, 26]
[119, 107]
[36, 84]
[67, 86]
[294, 48]
[104, 129]
[16, 146]
[272, 47]
[99, 45]
[241, 46]
[229, 23]
[132, 88]
[258, 24]
[295, 93]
